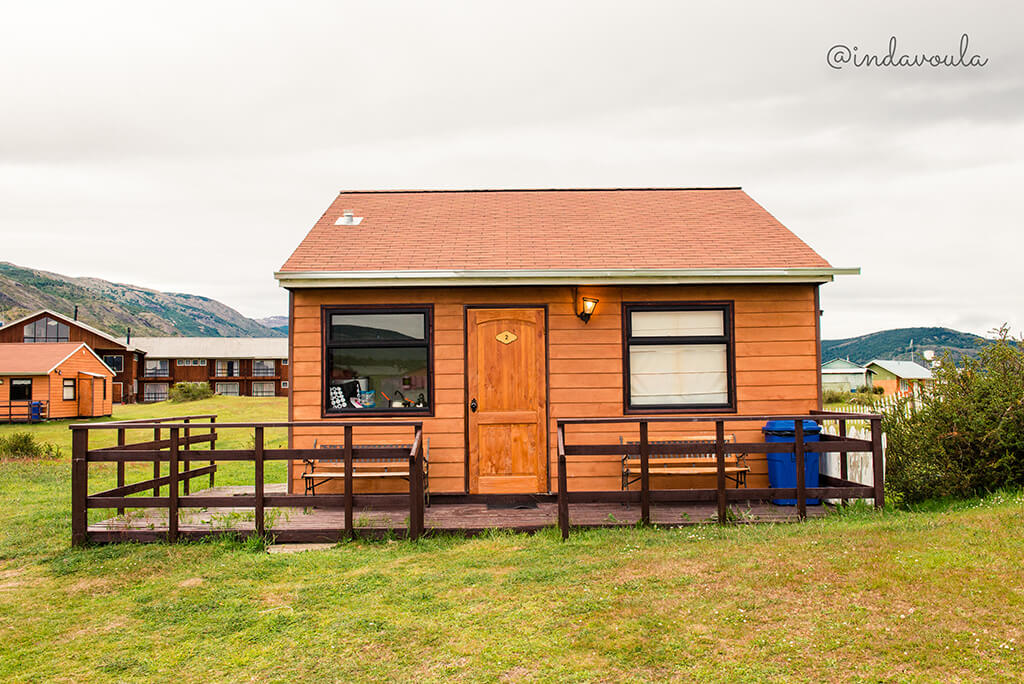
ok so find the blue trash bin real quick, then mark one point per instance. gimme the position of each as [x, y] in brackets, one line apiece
[782, 465]
[35, 409]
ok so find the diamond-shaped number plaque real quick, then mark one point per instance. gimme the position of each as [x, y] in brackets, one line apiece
[506, 337]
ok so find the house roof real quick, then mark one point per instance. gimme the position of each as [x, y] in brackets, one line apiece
[907, 370]
[550, 236]
[214, 347]
[38, 358]
[840, 365]
[71, 321]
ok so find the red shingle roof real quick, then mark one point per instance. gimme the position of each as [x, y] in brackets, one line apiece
[550, 229]
[19, 358]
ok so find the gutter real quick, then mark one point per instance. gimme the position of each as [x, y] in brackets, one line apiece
[623, 276]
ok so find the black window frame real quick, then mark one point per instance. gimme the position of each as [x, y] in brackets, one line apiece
[21, 382]
[327, 345]
[728, 339]
[73, 384]
[114, 356]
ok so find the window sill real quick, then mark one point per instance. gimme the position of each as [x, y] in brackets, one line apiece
[378, 413]
[655, 410]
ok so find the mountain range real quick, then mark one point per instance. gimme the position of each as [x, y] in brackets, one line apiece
[902, 344]
[116, 307]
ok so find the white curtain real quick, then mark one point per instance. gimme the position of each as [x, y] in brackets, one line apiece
[678, 374]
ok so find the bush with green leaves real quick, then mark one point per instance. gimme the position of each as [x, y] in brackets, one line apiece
[189, 391]
[24, 445]
[834, 396]
[966, 435]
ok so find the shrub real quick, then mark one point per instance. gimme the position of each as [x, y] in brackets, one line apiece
[189, 391]
[24, 445]
[967, 436]
[834, 396]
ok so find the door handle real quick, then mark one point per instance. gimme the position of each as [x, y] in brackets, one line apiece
[472, 406]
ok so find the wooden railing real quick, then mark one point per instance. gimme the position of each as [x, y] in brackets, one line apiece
[834, 488]
[21, 411]
[177, 450]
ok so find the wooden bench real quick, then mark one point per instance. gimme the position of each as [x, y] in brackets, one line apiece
[321, 470]
[736, 468]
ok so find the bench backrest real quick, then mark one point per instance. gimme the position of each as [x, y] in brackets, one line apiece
[369, 458]
[696, 439]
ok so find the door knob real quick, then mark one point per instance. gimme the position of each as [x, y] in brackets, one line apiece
[472, 406]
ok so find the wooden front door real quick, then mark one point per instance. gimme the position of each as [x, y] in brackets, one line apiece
[507, 382]
[85, 398]
[117, 395]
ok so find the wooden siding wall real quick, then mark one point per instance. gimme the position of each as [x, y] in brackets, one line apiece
[82, 361]
[40, 388]
[776, 368]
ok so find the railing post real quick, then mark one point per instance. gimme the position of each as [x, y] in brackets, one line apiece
[723, 506]
[185, 462]
[844, 465]
[213, 445]
[349, 527]
[156, 463]
[416, 485]
[79, 486]
[172, 489]
[563, 486]
[120, 464]
[801, 474]
[645, 476]
[258, 467]
[877, 464]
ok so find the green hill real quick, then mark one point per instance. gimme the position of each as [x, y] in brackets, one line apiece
[115, 307]
[896, 344]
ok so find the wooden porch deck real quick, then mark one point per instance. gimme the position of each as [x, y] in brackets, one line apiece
[318, 524]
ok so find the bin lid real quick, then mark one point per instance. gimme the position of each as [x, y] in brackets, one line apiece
[788, 427]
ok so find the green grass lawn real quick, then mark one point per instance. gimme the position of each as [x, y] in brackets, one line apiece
[917, 596]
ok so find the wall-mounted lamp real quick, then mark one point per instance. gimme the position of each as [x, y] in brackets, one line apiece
[585, 306]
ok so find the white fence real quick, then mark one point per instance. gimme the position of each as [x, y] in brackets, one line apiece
[859, 468]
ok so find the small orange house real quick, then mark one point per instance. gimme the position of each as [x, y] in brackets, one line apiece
[489, 315]
[63, 380]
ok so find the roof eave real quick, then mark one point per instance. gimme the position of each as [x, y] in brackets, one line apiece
[465, 278]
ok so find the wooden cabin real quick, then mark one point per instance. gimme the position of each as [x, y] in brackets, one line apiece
[233, 366]
[121, 356]
[899, 378]
[488, 315]
[62, 380]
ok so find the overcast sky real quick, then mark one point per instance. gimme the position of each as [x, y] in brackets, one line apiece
[189, 147]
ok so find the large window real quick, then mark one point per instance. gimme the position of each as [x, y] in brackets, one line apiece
[263, 389]
[678, 357]
[21, 389]
[228, 368]
[155, 391]
[377, 360]
[157, 368]
[227, 389]
[46, 330]
[115, 362]
[264, 368]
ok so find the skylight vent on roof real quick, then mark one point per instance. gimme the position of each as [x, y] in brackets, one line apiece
[349, 219]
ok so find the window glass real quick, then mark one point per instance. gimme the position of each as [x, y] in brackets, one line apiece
[227, 389]
[154, 391]
[157, 367]
[262, 368]
[21, 389]
[262, 389]
[679, 357]
[228, 368]
[377, 361]
[114, 361]
[69, 390]
[399, 327]
[46, 329]
[678, 323]
[680, 374]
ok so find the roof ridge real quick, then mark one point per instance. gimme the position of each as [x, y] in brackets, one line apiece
[609, 189]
